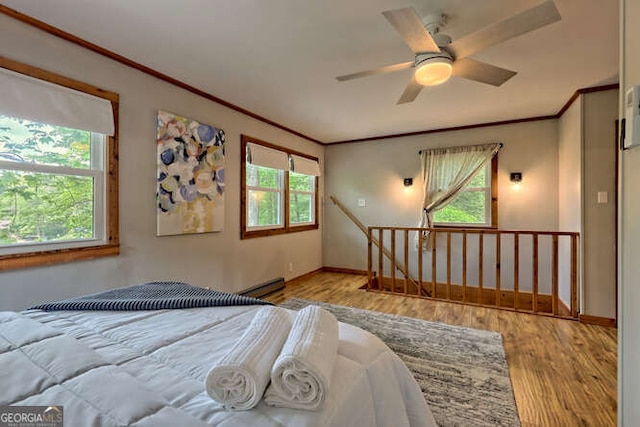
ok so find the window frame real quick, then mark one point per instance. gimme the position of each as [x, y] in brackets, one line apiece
[109, 244]
[281, 191]
[492, 202]
[95, 171]
[245, 231]
[312, 193]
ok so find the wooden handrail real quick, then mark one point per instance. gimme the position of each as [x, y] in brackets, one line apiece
[394, 263]
[477, 230]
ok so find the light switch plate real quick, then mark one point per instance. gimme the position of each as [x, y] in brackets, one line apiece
[362, 203]
[603, 197]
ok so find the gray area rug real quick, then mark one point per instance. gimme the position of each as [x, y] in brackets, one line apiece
[462, 372]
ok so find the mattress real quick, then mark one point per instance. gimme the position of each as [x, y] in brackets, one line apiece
[148, 368]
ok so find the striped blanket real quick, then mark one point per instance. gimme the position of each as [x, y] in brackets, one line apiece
[152, 296]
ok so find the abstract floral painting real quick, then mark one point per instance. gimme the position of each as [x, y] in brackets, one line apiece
[190, 191]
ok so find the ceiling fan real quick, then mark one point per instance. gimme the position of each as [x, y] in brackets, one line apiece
[437, 57]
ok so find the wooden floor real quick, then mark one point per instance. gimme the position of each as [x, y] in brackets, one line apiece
[563, 372]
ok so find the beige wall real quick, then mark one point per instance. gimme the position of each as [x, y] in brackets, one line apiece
[569, 184]
[587, 155]
[600, 111]
[629, 236]
[570, 173]
[374, 170]
[219, 260]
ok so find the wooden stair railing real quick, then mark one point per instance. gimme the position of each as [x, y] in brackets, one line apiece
[383, 250]
[524, 251]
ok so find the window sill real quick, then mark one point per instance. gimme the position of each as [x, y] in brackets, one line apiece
[277, 231]
[39, 259]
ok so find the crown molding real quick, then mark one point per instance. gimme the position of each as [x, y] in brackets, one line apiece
[168, 79]
[142, 68]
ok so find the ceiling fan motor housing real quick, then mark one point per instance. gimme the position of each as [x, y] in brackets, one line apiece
[433, 68]
[442, 56]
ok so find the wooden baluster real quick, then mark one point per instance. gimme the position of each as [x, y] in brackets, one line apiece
[464, 266]
[516, 269]
[498, 258]
[406, 260]
[534, 300]
[381, 259]
[554, 277]
[369, 260]
[434, 260]
[393, 260]
[574, 276]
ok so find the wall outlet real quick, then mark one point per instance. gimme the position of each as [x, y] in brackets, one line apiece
[290, 267]
[362, 203]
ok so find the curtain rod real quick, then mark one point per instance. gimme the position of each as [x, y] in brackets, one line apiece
[459, 146]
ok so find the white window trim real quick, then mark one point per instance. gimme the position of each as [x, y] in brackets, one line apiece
[98, 162]
[312, 194]
[279, 190]
[97, 171]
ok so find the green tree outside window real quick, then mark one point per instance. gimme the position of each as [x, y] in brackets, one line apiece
[38, 206]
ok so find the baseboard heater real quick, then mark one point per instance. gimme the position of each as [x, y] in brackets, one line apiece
[265, 288]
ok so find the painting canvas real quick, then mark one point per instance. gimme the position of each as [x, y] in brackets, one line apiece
[190, 188]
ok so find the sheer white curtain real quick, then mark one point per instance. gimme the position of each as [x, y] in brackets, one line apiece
[445, 171]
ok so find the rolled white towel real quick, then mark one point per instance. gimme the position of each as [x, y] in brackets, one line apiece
[301, 375]
[239, 379]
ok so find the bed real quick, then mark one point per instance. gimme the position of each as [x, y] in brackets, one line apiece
[148, 367]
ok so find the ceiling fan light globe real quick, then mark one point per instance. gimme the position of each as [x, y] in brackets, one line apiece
[433, 71]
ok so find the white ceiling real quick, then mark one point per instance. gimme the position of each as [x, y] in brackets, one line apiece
[279, 58]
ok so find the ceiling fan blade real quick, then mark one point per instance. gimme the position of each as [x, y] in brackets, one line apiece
[529, 20]
[411, 92]
[381, 70]
[481, 71]
[407, 22]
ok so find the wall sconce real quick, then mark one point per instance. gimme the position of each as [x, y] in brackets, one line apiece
[515, 177]
[408, 182]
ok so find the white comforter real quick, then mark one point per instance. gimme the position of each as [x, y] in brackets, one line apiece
[147, 368]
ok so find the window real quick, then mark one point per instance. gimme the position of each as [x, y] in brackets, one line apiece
[302, 191]
[58, 169]
[265, 193]
[279, 190]
[476, 204]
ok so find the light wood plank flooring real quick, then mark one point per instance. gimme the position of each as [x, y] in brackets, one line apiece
[563, 372]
